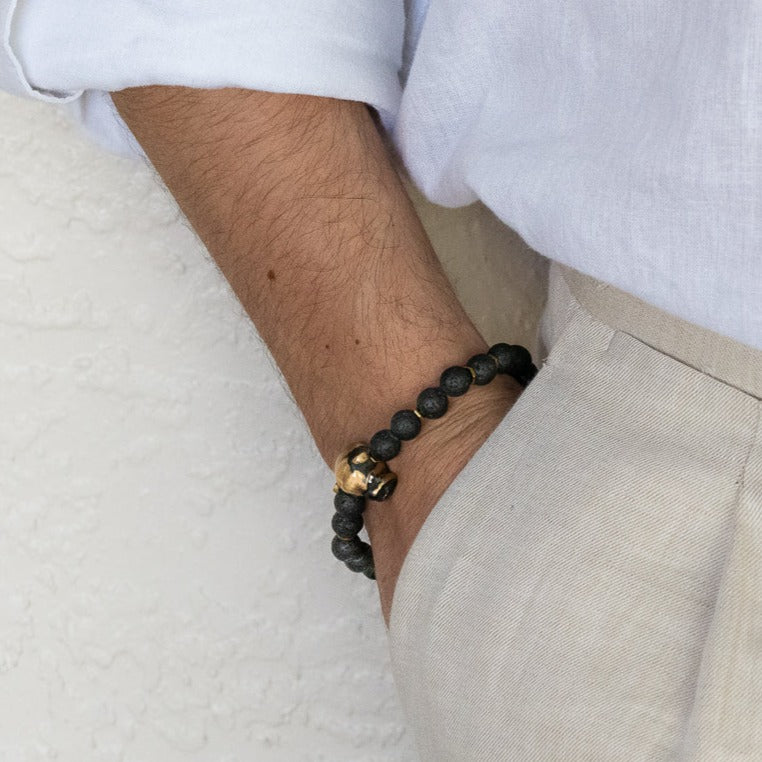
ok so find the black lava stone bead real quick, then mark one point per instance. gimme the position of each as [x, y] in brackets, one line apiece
[345, 550]
[370, 571]
[432, 402]
[384, 445]
[349, 505]
[405, 424]
[455, 381]
[529, 375]
[512, 359]
[485, 368]
[346, 526]
[362, 560]
[356, 564]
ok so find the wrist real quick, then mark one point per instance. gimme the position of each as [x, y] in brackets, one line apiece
[371, 383]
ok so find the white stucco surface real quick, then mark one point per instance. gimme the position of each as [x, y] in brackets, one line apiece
[167, 591]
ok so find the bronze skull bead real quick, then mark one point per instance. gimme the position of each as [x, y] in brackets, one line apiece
[358, 474]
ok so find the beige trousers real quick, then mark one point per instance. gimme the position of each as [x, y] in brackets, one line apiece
[590, 585]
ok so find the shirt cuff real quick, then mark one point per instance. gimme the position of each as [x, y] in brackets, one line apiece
[77, 53]
[12, 77]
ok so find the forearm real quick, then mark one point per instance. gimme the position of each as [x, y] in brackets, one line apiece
[296, 199]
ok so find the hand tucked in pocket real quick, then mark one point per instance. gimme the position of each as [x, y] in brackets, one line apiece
[298, 201]
[426, 467]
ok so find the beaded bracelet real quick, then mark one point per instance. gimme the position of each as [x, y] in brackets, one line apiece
[361, 472]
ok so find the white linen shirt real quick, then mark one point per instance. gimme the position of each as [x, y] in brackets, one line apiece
[621, 139]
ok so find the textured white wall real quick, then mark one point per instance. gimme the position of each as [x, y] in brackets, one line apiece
[167, 591]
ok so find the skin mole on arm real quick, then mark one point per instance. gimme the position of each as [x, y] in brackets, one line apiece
[271, 274]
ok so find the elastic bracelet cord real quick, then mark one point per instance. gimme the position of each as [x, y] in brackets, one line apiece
[362, 471]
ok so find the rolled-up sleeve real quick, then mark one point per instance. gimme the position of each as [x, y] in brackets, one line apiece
[76, 53]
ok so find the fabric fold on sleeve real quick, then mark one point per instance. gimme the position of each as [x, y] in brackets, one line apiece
[78, 53]
[12, 77]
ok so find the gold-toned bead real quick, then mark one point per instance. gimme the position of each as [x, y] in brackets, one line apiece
[472, 371]
[417, 413]
[335, 487]
[358, 474]
[349, 467]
